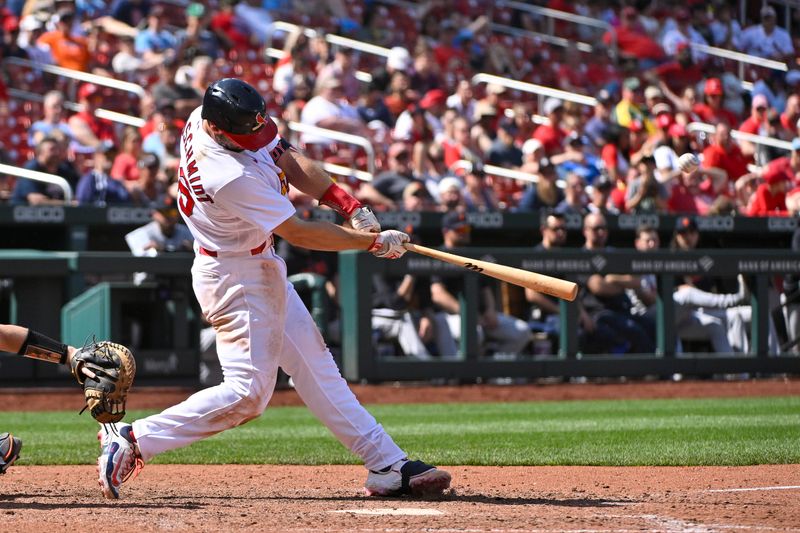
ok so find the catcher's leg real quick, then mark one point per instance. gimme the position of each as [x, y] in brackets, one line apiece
[10, 447]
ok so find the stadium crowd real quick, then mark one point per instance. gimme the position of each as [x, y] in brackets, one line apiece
[434, 132]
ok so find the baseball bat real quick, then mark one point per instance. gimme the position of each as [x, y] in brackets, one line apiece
[559, 288]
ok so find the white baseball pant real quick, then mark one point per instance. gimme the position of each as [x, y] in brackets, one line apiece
[261, 325]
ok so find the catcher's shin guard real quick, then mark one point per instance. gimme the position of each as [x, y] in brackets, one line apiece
[10, 447]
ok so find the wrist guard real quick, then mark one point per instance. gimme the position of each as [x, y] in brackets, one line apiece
[337, 199]
[43, 348]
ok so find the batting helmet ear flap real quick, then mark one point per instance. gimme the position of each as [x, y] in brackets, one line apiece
[235, 107]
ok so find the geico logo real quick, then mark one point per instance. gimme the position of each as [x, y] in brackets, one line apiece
[634, 221]
[486, 220]
[400, 219]
[127, 215]
[781, 224]
[43, 213]
[715, 223]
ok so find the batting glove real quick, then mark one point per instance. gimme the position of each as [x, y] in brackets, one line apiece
[363, 219]
[389, 244]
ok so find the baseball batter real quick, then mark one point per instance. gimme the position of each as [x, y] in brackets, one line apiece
[234, 176]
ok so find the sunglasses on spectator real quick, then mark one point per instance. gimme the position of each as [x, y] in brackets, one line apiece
[557, 228]
[597, 228]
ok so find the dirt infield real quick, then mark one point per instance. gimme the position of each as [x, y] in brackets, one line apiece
[323, 499]
[484, 499]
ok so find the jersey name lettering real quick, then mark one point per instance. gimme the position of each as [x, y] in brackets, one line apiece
[189, 179]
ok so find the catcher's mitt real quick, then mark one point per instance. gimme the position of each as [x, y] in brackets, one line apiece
[111, 369]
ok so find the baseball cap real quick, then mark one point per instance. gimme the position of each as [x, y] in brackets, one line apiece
[768, 11]
[398, 58]
[604, 96]
[682, 14]
[653, 92]
[681, 46]
[792, 77]
[796, 144]
[454, 220]
[195, 9]
[551, 105]
[531, 145]
[713, 86]
[87, 90]
[775, 174]
[449, 183]
[148, 160]
[432, 98]
[661, 108]
[664, 120]
[683, 224]
[602, 183]
[760, 100]
[677, 130]
[631, 83]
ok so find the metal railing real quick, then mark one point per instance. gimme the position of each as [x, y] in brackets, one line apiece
[335, 40]
[540, 90]
[334, 135]
[107, 114]
[44, 177]
[277, 53]
[77, 75]
[741, 136]
[501, 172]
[739, 57]
[552, 15]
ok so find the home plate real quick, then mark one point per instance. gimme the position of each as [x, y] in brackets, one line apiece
[400, 511]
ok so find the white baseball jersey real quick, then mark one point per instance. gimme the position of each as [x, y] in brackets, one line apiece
[231, 201]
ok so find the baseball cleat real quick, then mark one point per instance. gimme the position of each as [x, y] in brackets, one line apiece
[9, 450]
[414, 478]
[119, 459]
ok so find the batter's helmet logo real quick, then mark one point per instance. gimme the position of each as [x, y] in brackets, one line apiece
[261, 121]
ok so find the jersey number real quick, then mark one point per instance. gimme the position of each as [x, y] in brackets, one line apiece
[185, 201]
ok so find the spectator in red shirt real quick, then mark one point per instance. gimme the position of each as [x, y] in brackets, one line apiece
[233, 32]
[791, 115]
[686, 197]
[725, 154]
[790, 164]
[550, 133]
[754, 123]
[446, 51]
[711, 111]
[770, 198]
[679, 73]
[632, 39]
[88, 131]
[125, 167]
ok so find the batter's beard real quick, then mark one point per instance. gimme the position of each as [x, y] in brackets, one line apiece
[226, 143]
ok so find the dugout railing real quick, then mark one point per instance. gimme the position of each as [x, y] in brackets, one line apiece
[361, 363]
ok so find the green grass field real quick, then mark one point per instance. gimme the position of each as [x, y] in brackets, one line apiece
[635, 432]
